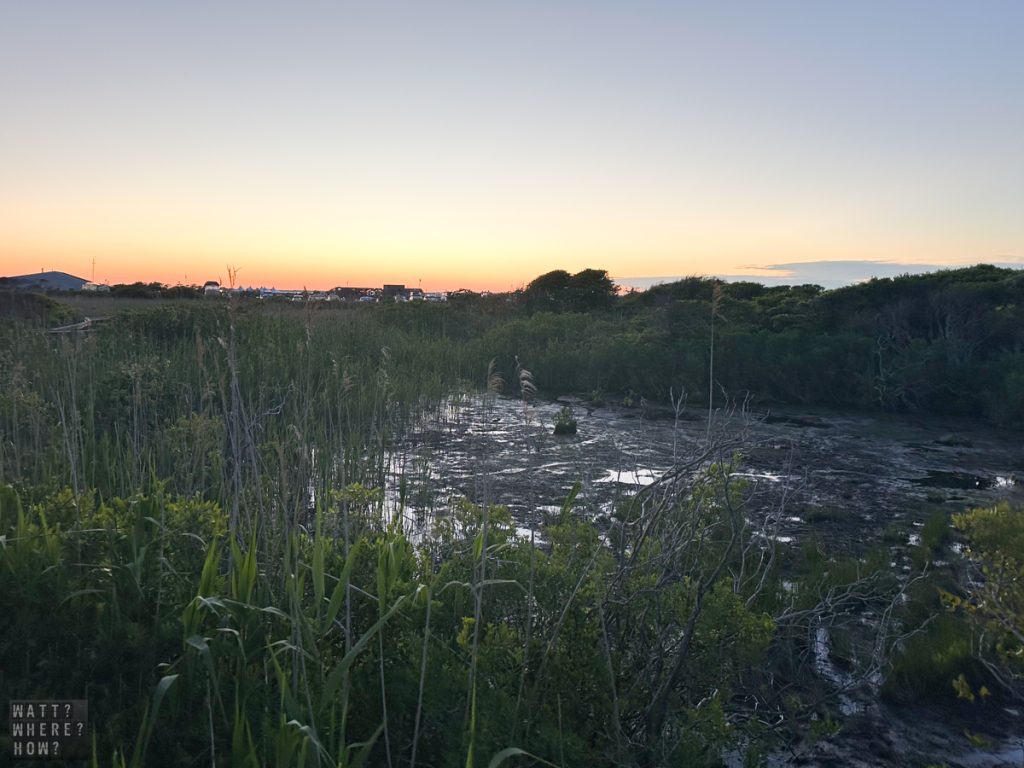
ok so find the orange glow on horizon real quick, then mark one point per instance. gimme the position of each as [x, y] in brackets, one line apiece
[290, 249]
[500, 272]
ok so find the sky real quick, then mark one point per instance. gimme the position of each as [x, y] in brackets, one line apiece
[479, 144]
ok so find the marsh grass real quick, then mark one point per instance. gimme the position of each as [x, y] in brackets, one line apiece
[200, 491]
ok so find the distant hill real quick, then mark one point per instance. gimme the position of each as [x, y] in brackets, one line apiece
[44, 281]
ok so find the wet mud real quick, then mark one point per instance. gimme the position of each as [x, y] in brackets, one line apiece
[849, 479]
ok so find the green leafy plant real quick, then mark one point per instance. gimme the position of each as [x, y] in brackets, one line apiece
[565, 422]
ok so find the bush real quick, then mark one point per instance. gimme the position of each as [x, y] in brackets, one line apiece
[927, 664]
[565, 422]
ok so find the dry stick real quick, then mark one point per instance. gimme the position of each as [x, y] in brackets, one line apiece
[766, 570]
[66, 414]
[658, 709]
[716, 297]
[293, 602]
[558, 625]
[348, 603]
[838, 600]
[384, 401]
[616, 717]
[653, 669]
[233, 422]
[493, 382]
[886, 621]
[14, 387]
[648, 521]
[136, 424]
[67, 439]
[678, 405]
[478, 590]
[78, 436]
[255, 461]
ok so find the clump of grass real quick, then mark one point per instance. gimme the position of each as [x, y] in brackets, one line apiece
[925, 665]
[936, 533]
[565, 422]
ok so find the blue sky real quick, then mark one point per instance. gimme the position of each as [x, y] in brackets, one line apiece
[488, 142]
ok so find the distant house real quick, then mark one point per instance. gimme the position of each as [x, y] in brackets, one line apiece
[211, 288]
[96, 288]
[351, 294]
[45, 281]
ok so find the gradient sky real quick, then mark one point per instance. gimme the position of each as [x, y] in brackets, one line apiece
[479, 144]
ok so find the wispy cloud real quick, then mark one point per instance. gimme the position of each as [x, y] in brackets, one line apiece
[828, 274]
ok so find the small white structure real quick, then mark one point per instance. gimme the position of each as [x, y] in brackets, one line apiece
[211, 288]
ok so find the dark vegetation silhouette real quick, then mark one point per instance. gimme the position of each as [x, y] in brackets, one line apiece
[193, 532]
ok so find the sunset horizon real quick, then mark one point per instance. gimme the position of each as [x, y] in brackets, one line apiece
[460, 146]
[828, 274]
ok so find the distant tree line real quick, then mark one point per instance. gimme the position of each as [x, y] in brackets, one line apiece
[946, 342]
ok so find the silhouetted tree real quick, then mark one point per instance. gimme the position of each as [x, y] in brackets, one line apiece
[558, 291]
[549, 291]
[591, 289]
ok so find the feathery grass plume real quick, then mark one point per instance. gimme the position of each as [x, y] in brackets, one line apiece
[495, 381]
[527, 388]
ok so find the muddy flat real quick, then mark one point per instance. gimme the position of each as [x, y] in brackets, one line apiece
[850, 474]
